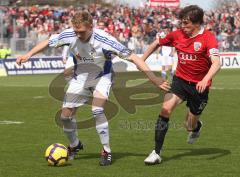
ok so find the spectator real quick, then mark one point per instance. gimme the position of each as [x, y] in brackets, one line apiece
[120, 21]
[4, 51]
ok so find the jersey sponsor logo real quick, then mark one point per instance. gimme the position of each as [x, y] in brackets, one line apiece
[197, 46]
[186, 56]
[84, 59]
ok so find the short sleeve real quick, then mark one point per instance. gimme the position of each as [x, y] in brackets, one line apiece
[64, 38]
[166, 40]
[109, 43]
[212, 45]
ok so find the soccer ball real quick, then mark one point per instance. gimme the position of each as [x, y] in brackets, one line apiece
[56, 155]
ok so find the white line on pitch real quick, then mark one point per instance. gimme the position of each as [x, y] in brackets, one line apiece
[7, 122]
[222, 88]
[38, 97]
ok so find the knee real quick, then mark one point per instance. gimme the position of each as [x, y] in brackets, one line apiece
[68, 120]
[67, 113]
[166, 112]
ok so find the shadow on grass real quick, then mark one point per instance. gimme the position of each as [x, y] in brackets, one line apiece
[61, 166]
[115, 155]
[212, 153]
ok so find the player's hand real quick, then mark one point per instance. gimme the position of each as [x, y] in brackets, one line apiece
[23, 58]
[202, 85]
[162, 83]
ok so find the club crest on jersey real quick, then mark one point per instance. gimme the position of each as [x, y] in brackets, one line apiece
[92, 52]
[197, 46]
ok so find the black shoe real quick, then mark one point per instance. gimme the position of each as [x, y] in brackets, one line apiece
[105, 159]
[72, 151]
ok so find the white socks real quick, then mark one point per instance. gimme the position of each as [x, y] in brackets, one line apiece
[70, 130]
[102, 127]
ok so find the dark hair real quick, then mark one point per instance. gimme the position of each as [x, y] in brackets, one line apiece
[192, 13]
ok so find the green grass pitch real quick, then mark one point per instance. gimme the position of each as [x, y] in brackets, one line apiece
[26, 99]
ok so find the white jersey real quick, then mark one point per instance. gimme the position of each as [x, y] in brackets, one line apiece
[97, 51]
[93, 64]
[166, 50]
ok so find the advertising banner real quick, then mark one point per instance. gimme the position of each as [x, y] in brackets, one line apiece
[230, 59]
[48, 65]
[35, 66]
[164, 3]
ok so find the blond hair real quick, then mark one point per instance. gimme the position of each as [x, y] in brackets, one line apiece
[82, 17]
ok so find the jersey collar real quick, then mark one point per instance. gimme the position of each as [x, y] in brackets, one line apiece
[200, 32]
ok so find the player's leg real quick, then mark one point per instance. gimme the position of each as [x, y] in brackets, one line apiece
[100, 96]
[68, 118]
[170, 102]
[101, 121]
[102, 127]
[191, 121]
[196, 105]
[75, 96]
[193, 125]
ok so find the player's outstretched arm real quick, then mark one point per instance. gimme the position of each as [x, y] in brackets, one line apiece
[152, 47]
[159, 82]
[39, 47]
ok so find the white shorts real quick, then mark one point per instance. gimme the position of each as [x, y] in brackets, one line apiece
[80, 90]
[166, 60]
[175, 61]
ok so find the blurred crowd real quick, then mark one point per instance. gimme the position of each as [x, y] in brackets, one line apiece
[134, 27]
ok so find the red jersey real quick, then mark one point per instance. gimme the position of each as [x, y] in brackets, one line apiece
[193, 53]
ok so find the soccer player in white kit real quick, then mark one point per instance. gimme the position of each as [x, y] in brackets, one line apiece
[92, 50]
[166, 57]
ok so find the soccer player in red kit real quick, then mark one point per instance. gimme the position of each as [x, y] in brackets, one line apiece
[198, 62]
